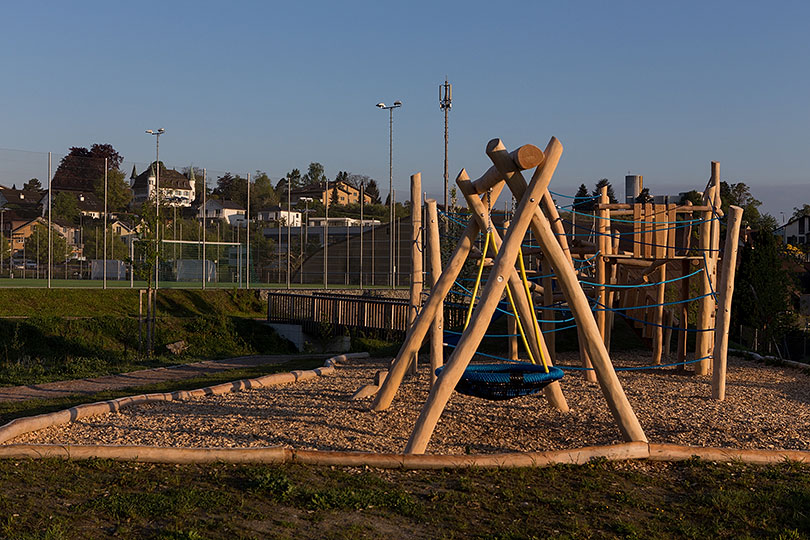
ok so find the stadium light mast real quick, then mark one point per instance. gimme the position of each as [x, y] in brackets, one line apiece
[157, 133]
[397, 104]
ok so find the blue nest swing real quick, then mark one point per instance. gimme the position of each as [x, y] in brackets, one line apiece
[505, 381]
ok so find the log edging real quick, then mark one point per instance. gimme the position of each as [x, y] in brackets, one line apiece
[281, 455]
[20, 426]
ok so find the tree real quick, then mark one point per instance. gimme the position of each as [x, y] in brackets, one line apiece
[739, 194]
[94, 244]
[583, 202]
[315, 175]
[603, 183]
[801, 212]
[64, 206]
[231, 188]
[644, 197]
[118, 192]
[373, 191]
[81, 167]
[333, 199]
[32, 185]
[692, 196]
[262, 194]
[762, 290]
[357, 180]
[37, 243]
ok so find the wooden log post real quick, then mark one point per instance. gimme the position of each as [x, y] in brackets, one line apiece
[511, 326]
[706, 302]
[615, 397]
[413, 341]
[726, 293]
[416, 258]
[523, 306]
[435, 261]
[658, 315]
[491, 295]
[668, 319]
[601, 270]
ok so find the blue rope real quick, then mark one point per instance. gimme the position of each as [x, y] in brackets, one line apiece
[624, 315]
[573, 196]
[687, 221]
[577, 368]
[615, 286]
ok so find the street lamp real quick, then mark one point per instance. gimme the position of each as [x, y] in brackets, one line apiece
[397, 104]
[157, 133]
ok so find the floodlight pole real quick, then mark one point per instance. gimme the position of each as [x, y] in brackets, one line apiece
[390, 110]
[205, 217]
[157, 133]
[104, 263]
[289, 225]
[50, 227]
[247, 224]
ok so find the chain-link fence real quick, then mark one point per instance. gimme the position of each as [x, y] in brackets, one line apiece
[89, 219]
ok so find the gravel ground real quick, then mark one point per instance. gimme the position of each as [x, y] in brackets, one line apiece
[766, 407]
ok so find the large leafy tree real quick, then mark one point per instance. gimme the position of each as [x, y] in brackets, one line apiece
[315, 174]
[231, 188]
[37, 243]
[94, 244]
[739, 194]
[118, 192]
[64, 206]
[81, 167]
[762, 290]
[262, 193]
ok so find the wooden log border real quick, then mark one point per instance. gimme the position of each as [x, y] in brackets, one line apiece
[281, 455]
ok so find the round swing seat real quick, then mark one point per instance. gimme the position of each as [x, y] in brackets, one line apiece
[505, 381]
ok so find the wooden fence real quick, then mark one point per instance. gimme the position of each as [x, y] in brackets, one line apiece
[347, 311]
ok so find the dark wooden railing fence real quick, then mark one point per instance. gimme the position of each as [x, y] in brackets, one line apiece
[347, 311]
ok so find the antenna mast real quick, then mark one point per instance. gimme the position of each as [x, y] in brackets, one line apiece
[445, 104]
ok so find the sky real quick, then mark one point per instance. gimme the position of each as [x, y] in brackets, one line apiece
[653, 88]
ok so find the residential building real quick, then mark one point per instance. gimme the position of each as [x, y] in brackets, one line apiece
[229, 211]
[796, 231]
[87, 203]
[21, 232]
[291, 218]
[175, 188]
[337, 191]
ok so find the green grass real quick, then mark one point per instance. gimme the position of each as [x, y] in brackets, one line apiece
[100, 499]
[12, 409]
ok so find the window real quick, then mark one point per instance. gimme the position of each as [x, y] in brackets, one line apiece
[802, 225]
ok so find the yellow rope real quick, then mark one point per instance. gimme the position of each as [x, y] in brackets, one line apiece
[518, 322]
[538, 335]
[477, 283]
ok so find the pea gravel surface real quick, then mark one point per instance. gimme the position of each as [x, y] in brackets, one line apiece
[766, 407]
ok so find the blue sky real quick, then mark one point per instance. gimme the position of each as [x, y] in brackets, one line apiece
[658, 89]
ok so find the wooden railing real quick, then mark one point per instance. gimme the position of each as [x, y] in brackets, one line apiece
[348, 311]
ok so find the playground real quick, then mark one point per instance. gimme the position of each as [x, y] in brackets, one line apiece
[642, 261]
[317, 414]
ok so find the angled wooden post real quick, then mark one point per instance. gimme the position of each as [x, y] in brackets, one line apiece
[608, 381]
[491, 295]
[726, 293]
[435, 261]
[413, 341]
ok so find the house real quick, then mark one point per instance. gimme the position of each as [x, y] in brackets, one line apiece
[336, 191]
[175, 188]
[20, 233]
[289, 218]
[229, 211]
[126, 231]
[796, 231]
[87, 203]
[26, 202]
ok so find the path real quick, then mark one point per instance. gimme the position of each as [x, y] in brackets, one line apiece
[138, 378]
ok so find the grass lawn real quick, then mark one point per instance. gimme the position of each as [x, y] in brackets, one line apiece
[101, 499]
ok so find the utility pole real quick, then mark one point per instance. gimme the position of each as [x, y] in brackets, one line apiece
[445, 104]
